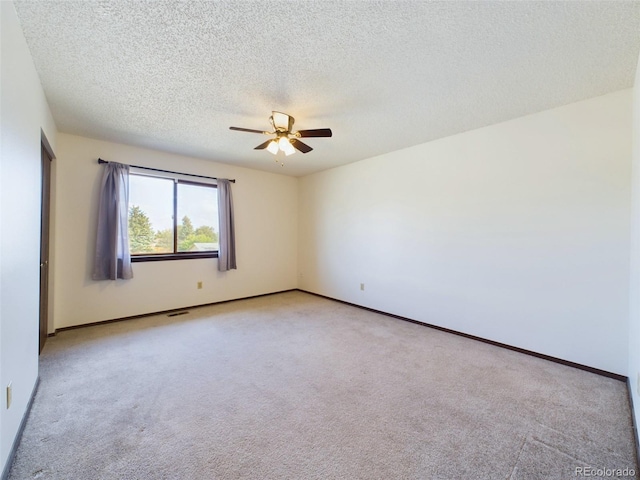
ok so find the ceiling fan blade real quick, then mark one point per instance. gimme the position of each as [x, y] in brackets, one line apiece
[303, 147]
[263, 145]
[317, 132]
[248, 130]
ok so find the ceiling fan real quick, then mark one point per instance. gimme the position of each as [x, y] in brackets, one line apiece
[285, 140]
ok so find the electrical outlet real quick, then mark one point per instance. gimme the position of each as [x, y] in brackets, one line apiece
[9, 394]
[199, 285]
[362, 287]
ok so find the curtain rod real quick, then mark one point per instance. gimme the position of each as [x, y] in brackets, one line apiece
[169, 171]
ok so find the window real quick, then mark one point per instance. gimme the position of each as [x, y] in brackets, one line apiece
[171, 218]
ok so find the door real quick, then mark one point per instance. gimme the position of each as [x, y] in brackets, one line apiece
[44, 246]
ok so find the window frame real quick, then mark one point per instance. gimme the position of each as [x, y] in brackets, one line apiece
[175, 255]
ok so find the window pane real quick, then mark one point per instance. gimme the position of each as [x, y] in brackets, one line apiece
[150, 215]
[197, 218]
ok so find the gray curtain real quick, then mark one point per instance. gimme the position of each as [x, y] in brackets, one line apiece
[227, 249]
[112, 258]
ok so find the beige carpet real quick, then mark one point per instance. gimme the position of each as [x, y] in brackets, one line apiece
[293, 386]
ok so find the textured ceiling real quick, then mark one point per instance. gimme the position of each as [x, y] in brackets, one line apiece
[383, 75]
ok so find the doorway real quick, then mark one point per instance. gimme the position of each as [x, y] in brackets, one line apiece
[46, 156]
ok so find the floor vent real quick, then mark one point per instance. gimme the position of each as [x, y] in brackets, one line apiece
[175, 314]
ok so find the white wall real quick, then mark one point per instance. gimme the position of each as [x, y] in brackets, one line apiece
[517, 232]
[24, 112]
[634, 303]
[266, 235]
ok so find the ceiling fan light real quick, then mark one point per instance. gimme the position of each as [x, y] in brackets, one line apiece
[273, 147]
[285, 146]
[289, 150]
[282, 142]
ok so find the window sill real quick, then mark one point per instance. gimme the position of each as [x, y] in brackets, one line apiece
[172, 256]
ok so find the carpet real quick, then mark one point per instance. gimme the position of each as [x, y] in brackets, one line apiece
[294, 386]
